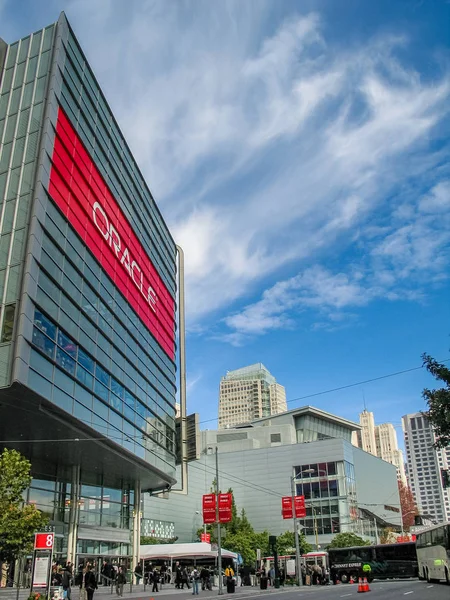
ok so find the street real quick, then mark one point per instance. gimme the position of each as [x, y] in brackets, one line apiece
[387, 590]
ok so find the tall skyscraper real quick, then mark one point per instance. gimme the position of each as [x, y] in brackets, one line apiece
[87, 308]
[381, 440]
[247, 394]
[425, 465]
[366, 437]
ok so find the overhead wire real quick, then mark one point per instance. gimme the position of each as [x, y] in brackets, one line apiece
[347, 386]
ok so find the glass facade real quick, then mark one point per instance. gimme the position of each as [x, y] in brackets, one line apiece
[310, 429]
[330, 493]
[94, 357]
[74, 330]
[22, 100]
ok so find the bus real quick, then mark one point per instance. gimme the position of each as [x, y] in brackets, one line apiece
[288, 562]
[433, 553]
[387, 561]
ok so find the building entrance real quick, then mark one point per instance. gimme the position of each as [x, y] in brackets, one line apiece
[104, 567]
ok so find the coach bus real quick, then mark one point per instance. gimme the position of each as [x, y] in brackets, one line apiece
[387, 561]
[433, 553]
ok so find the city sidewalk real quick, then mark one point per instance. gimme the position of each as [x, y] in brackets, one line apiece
[168, 591]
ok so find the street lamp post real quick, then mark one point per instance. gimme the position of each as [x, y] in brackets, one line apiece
[297, 543]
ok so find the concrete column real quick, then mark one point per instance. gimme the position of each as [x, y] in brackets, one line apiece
[73, 515]
[136, 524]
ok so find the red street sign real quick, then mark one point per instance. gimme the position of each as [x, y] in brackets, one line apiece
[206, 537]
[225, 503]
[300, 509]
[286, 507]
[43, 541]
[209, 508]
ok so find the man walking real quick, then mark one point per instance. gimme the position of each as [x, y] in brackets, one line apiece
[120, 582]
[195, 577]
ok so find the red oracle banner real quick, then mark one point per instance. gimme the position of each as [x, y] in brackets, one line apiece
[299, 507]
[286, 507]
[209, 508]
[81, 193]
[43, 541]
[225, 504]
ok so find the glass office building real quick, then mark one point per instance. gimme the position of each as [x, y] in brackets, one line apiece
[87, 291]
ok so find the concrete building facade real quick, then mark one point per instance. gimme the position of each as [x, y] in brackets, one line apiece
[425, 465]
[247, 394]
[259, 461]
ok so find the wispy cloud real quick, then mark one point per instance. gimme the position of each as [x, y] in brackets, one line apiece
[270, 147]
[396, 265]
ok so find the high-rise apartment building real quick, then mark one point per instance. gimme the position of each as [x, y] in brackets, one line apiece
[381, 440]
[425, 465]
[247, 394]
[87, 303]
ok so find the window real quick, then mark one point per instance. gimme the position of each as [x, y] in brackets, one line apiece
[8, 323]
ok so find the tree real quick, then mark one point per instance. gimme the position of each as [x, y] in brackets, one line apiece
[438, 401]
[408, 505]
[286, 543]
[147, 540]
[18, 521]
[347, 540]
[388, 536]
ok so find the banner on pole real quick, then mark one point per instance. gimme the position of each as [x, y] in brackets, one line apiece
[209, 508]
[225, 504]
[286, 507]
[299, 507]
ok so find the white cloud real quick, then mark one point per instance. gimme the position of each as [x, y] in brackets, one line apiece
[437, 200]
[396, 266]
[267, 150]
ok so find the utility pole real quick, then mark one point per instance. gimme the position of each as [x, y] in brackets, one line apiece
[219, 539]
[297, 543]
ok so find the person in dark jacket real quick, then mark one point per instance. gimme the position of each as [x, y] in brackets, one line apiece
[155, 580]
[66, 580]
[138, 573]
[120, 582]
[178, 577]
[90, 582]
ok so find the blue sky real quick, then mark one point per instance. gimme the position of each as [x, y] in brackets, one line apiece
[300, 154]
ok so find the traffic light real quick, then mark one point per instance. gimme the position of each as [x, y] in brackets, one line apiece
[445, 477]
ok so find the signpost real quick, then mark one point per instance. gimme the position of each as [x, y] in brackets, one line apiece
[42, 561]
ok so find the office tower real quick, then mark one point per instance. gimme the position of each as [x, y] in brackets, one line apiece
[366, 437]
[381, 441]
[247, 394]
[425, 466]
[88, 290]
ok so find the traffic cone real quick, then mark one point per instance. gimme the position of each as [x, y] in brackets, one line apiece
[351, 579]
[361, 586]
[366, 585]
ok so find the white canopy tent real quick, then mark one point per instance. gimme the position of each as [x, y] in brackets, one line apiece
[176, 551]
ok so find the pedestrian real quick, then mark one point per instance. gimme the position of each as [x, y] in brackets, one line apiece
[185, 578]
[316, 575]
[195, 576]
[178, 577]
[120, 582]
[66, 580]
[90, 582]
[155, 580]
[138, 573]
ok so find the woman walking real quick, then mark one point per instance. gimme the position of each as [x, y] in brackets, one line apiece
[90, 583]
